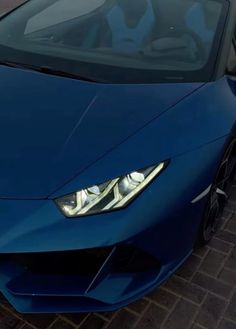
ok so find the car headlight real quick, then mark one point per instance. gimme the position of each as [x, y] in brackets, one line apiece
[114, 194]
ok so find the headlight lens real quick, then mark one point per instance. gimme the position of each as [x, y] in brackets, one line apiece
[114, 194]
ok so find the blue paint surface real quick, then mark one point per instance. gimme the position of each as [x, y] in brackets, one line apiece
[60, 135]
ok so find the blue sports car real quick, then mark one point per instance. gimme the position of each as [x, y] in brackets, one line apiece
[117, 129]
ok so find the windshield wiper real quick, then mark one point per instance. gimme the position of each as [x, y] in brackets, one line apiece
[61, 73]
[9, 64]
[51, 71]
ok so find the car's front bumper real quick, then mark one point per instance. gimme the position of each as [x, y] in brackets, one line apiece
[97, 263]
[100, 267]
[117, 282]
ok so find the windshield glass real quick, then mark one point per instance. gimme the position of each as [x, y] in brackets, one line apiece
[117, 41]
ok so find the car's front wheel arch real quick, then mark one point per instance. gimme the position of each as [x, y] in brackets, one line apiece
[219, 193]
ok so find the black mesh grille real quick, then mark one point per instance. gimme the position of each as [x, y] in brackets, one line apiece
[128, 259]
[62, 263]
[125, 259]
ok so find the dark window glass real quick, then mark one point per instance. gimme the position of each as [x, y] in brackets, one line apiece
[118, 41]
[231, 66]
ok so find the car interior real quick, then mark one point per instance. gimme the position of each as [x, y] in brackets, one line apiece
[176, 35]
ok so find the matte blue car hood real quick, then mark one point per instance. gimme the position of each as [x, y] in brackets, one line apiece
[52, 128]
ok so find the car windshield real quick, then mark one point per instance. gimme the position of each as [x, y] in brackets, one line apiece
[116, 41]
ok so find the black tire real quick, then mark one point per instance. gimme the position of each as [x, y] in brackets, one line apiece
[218, 197]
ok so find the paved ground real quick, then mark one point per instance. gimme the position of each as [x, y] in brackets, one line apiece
[201, 295]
